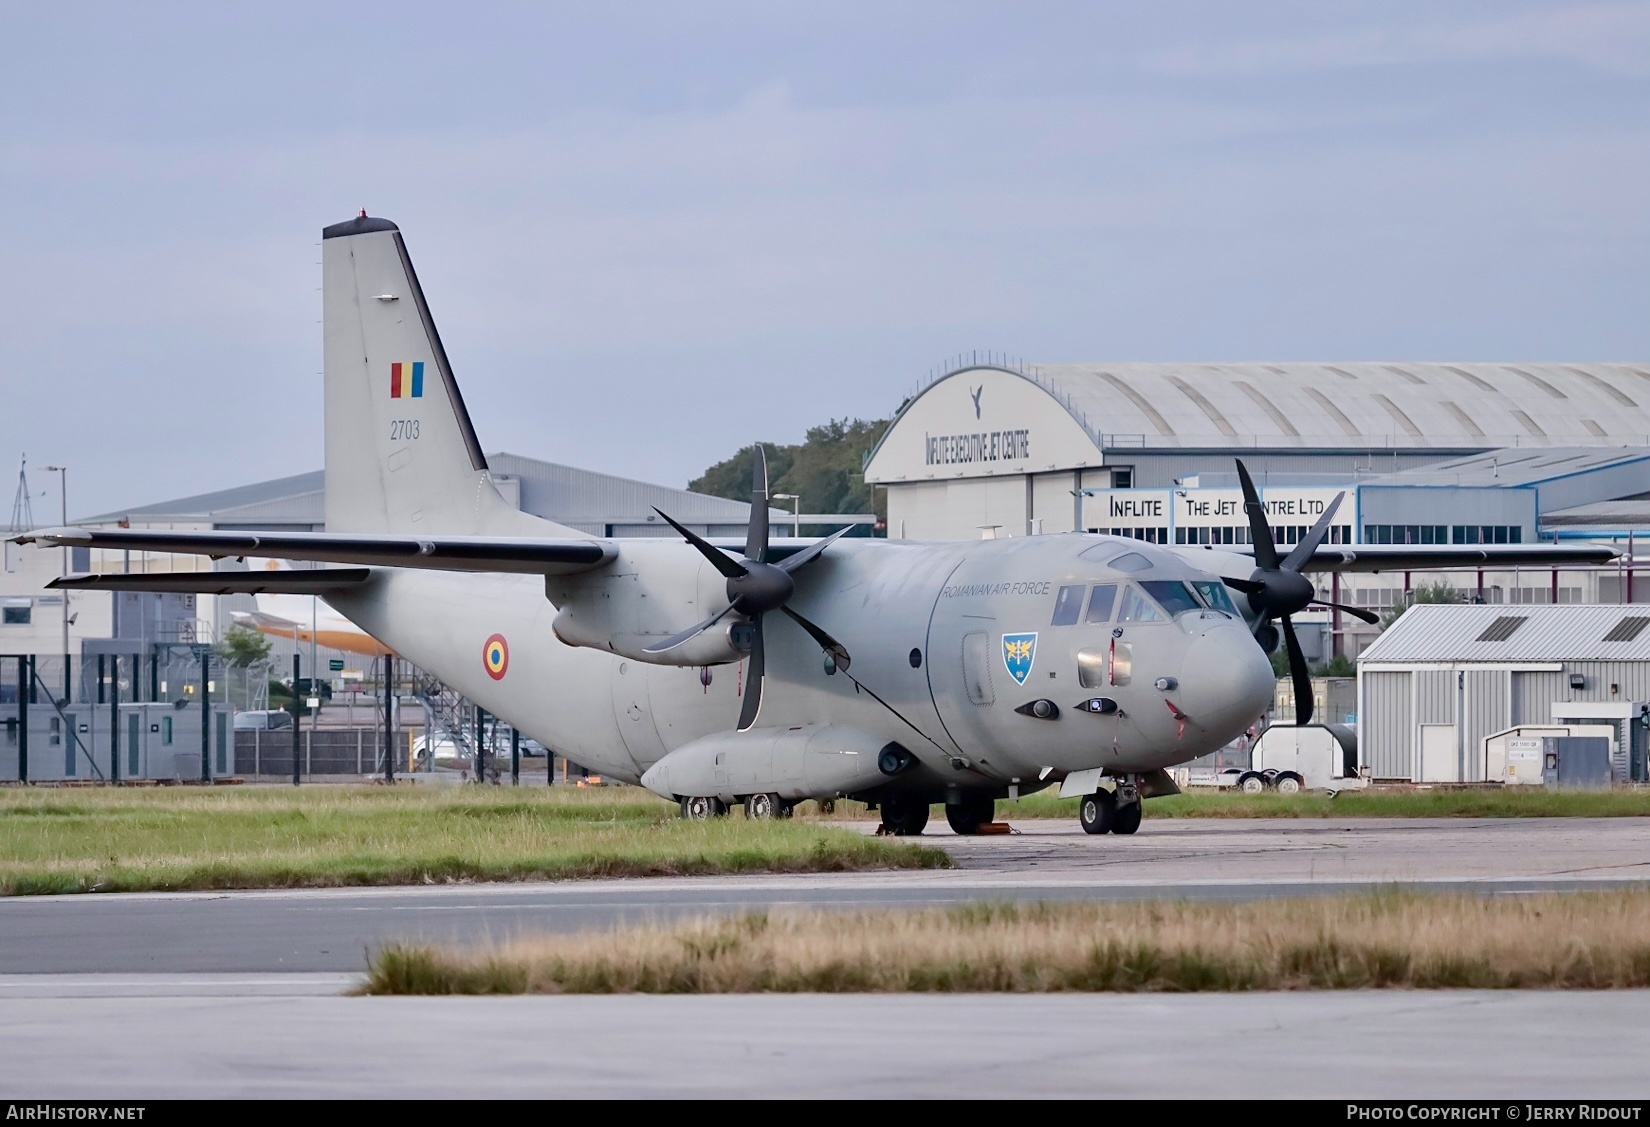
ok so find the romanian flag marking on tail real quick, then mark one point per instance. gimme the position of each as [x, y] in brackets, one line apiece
[407, 380]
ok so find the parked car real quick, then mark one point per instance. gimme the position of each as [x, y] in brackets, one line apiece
[262, 720]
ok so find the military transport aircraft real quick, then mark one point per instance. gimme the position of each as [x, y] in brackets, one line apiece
[902, 673]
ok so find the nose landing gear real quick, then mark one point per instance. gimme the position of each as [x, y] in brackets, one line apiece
[1112, 812]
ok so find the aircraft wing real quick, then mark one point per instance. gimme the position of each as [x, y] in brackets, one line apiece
[319, 581]
[1445, 557]
[520, 554]
[1423, 557]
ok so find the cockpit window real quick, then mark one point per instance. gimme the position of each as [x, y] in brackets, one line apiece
[1215, 595]
[1175, 596]
[1101, 600]
[1131, 562]
[1138, 608]
[1068, 604]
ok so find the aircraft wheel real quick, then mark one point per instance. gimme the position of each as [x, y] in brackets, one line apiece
[1251, 783]
[1288, 784]
[698, 808]
[904, 815]
[764, 806]
[975, 810]
[1127, 818]
[1097, 812]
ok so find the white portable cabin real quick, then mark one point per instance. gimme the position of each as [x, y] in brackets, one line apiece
[1321, 756]
[158, 741]
[1444, 682]
[1514, 756]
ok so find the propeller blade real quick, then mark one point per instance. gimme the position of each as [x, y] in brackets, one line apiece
[830, 645]
[1247, 586]
[1359, 613]
[1266, 550]
[749, 710]
[718, 559]
[1309, 543]
[1299, 671]
[690, 633]
[756, 532]
[811, 552]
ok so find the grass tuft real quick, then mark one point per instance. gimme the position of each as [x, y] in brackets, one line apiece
[174, 838]
[1585, 941]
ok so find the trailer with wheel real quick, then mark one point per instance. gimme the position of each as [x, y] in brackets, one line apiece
[1289, 759]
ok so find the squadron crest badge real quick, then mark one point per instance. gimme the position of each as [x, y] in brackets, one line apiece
[1019, 651]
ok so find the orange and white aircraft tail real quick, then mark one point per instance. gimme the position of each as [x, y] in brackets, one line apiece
[291, 616]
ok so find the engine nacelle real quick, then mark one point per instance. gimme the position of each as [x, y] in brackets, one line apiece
[722, 644]
[650, 590]
[813, 761]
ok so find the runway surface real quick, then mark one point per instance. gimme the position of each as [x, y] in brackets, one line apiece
[333, 929]
[242, 994]
[155, 1036]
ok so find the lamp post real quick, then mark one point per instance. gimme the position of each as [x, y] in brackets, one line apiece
[796, 510]
[62, 473]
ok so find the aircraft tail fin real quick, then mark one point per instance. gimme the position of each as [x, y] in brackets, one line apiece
[401, 453]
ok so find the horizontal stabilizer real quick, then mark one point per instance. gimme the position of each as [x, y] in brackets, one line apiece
[319, 581]
[520, 554]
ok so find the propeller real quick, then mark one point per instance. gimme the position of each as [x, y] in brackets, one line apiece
[756, 588]
[1277, 589]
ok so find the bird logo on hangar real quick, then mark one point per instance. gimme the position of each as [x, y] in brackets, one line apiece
[1019, 651]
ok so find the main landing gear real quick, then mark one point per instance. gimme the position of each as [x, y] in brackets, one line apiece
[761, 806]
[904, 815]
[1104, 812]
[697, 808]
[970, 812]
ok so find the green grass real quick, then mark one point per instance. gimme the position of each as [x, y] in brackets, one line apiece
[170, 838]
[1385, 940]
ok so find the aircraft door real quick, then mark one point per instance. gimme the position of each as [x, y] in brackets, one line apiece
[632, 712]
[976, 660]
[962, 676]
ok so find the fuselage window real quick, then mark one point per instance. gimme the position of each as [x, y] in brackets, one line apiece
[1131, 562]
[1101, 600]
[1091, 669]
[1215, 595]
[1175, 597]
[1138, 608]
[1068, 605]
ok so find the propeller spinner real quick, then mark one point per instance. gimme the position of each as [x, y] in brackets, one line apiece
[1277, 589]
[756, 588]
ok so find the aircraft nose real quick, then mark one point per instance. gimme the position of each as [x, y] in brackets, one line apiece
[1226, 681]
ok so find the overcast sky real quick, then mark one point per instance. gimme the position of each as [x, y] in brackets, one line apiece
[654, 233]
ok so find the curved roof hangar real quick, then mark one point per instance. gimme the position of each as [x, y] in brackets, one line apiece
[1339, 406]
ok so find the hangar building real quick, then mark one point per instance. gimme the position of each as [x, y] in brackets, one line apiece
[1441, 684]
[1427, 453]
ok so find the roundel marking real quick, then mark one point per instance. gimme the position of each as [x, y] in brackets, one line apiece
[495, 656]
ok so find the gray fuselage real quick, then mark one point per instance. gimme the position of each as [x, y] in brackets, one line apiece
[953, 637]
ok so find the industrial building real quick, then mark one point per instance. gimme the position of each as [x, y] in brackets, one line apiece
[1443, 686]
[1425, 453]
[74, 665]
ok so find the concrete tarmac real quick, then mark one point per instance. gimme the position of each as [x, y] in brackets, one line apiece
[156, 1036]
[334, 929]
[242, 994]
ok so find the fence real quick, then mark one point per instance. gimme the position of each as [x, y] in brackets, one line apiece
[328, 751]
